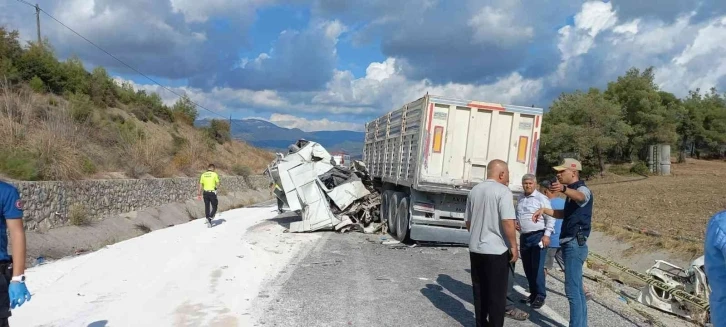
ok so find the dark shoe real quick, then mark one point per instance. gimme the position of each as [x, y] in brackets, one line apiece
[538, 302]
[517, 314]
[528, 300]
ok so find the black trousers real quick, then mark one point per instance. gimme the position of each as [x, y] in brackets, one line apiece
[210, 198]
[6, 273]
[489, 279]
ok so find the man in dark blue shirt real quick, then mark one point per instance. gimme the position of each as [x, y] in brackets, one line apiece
[13, 292]
[576, 225]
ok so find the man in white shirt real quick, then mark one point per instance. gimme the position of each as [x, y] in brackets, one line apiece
[534, 238]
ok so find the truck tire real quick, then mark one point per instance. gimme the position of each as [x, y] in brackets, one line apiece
[402, 219]
[393, 201]
[383, 209]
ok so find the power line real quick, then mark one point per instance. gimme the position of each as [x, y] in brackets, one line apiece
[119, 60]
[27, 3]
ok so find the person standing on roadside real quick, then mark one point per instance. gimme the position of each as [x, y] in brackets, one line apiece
[576, 225]
[554, 251]
[557, 203]
[13, 292]
[490, 218]
[534, 238]
[208, 184]
[715, 265]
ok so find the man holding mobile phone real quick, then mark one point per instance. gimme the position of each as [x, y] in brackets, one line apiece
[576, 225]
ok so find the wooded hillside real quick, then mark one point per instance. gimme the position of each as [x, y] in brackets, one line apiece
[59, 121]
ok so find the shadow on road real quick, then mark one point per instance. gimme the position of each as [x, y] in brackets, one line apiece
[448, 304]
[217, 222]
[100, 323]
[286, 219]
[464, 292]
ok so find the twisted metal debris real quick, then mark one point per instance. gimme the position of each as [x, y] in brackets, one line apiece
[325, 194]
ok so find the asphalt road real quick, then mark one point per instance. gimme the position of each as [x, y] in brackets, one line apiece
[353, 280]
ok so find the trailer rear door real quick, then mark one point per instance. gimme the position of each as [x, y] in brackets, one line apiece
[463, 136]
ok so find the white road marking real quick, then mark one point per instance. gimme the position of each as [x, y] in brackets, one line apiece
[552, 314]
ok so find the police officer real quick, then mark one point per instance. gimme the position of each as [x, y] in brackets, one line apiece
[209, 183]
[13, 292]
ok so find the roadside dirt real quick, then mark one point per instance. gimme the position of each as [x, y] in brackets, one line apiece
[677, 207]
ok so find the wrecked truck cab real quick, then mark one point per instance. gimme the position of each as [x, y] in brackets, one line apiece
[326, 196]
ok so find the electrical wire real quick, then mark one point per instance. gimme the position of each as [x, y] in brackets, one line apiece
[119, 60]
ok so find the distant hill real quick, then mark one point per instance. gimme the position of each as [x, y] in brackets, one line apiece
[264, 134]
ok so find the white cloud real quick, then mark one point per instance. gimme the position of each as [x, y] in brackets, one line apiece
[385, 88]
[199, 11]
[310, 125]
[701, 64]
[686, 54]
[498, 26]
[594, 18]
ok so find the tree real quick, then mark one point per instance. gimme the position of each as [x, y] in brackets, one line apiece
[77, 78]
[185, 110]
[643, 110]
[585, 123]
[102, 90]
[219, 130]
[10, 52]
[703, 128]
[40, 61]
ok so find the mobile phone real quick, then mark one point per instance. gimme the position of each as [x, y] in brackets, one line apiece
[581, 238]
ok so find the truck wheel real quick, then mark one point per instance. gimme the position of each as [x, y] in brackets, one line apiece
[383, 209]
[402, 217]
[393, 200]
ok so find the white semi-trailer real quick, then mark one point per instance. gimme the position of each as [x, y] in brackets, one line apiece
[425, 157]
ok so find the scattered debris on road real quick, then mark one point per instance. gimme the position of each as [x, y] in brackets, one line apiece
[672, 289]
[326, 195]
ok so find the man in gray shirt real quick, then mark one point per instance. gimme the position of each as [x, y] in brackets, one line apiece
[490, 218]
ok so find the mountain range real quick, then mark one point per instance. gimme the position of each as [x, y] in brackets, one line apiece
[266, 135]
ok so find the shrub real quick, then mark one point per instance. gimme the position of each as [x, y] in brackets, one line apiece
[78, 216]
[640, 168]
[88, 167]
[37, 84]
[241, 170]
[19, 164]
[179, 143]
[619, 170]
[81, 107]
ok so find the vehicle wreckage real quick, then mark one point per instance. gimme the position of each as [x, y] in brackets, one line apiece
[673, 289]
[324, 194]
[683, 292]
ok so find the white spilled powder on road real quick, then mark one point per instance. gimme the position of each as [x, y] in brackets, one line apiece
[185, 275]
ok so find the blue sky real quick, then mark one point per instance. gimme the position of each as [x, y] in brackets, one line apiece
[334, 64]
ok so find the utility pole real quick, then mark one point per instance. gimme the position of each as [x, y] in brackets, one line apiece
[37, 23]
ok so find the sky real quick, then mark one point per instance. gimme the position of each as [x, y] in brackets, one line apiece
[335, 64]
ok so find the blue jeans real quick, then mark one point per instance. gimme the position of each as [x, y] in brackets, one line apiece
[533, 260]
[574, 257]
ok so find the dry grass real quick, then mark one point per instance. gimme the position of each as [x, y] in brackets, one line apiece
[677, 206]
[40, 139]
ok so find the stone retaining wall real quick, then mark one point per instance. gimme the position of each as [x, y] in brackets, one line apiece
[47, 203]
